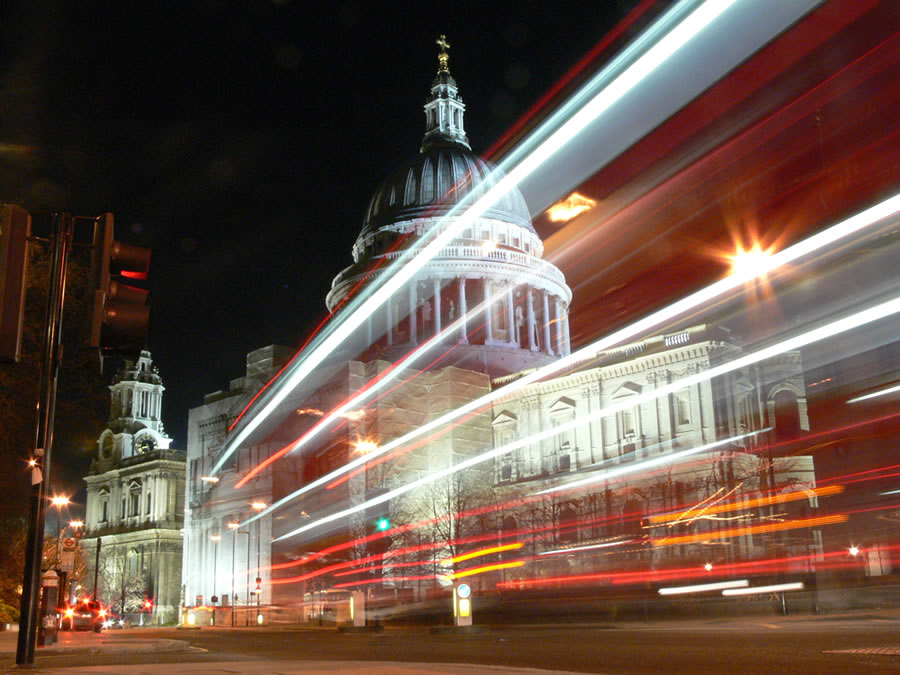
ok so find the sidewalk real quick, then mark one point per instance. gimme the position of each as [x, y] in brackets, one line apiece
[95, 643]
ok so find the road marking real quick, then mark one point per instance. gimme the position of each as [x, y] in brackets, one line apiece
[885, 651]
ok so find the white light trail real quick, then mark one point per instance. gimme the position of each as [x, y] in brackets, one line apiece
[649, 463]
[590, 547]
[774, 588]
[837, 327]
[875, 394]
[850, 226]
[700, 588]
[415, 259]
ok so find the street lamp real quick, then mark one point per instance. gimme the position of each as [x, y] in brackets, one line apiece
[59, 502]
[257, 506]
[215, 539]
[233, 526]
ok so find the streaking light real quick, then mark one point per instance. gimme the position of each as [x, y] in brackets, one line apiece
[875, 394]
[483, 552]
[774, 588]
[850, 226]
[845, 324]
[487, 568]
[701, 588]
[410, 264]
[575, 549]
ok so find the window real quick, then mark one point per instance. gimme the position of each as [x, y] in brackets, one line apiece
[148, 504]
[682, 408]
[124, 507]
[135, 503]
[627, 420]
[104, 511]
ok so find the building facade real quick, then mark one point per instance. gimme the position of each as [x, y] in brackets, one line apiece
[135, 501]
[490, 310]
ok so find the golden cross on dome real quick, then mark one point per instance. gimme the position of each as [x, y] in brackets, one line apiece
[443, 56]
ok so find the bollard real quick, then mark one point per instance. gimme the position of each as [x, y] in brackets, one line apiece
[358, 608]
[48, 626]
[462, 605]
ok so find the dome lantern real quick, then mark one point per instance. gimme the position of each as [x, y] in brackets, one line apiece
[444, 108]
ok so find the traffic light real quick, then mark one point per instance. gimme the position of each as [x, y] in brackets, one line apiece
[120, 312]
[15, 228]
[382, 524]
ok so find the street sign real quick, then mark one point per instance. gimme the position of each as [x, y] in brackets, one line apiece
[67, 561]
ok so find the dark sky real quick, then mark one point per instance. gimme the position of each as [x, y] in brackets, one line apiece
[242, 140]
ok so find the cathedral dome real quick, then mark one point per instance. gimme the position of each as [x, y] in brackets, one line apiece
[436, 180]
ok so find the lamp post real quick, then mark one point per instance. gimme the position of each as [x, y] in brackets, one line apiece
[215, 539]
[257, 506]
[76, 526]
[233, 526]
[59, 502]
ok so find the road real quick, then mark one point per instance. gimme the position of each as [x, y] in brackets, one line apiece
[808, 645]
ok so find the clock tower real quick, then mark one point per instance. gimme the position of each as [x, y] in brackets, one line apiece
[135, 502]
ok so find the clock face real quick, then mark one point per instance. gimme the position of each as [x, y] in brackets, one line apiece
[146, 445]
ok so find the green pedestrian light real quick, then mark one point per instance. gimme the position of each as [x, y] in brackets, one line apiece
[382, 524]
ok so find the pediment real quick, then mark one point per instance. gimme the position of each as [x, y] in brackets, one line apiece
[628, 389]
[505, 417]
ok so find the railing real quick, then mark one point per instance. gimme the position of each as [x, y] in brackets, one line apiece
[499, 255]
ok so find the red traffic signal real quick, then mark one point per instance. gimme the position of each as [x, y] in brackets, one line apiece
[15, 228]
[120, 317]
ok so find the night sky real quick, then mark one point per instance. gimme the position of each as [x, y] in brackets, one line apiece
[242, 140]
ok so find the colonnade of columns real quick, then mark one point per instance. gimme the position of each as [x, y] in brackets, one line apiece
[517, 316]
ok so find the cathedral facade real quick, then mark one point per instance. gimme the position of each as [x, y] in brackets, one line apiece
[135, 502]
[490, 310]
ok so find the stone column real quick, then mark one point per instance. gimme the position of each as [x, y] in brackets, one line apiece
[548, 348]
[560, 338]
[413, 329]
[488, 319]
[437, 305]
[566, 338]
[510, 315]
[463, 310]
[531, 321]
[390, 322]
[369, 331]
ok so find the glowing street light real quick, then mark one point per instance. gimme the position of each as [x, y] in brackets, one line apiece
[365, 447]
[209, 479]
[854, 551]
[258, 506]
[747, 264]
[708, 567]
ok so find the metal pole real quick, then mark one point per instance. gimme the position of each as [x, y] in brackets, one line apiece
[46, 409]
[231, 599]
[248, 577]
[96, 568]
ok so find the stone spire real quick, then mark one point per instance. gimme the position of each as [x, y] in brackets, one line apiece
[444, 108]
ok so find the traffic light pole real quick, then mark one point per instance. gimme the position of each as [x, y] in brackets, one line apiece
[61, 238]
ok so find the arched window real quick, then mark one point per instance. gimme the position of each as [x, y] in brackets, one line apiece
[427, 183]
[787, 415]
[568, 530]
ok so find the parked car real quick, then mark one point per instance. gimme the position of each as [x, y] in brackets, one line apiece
[86, 614]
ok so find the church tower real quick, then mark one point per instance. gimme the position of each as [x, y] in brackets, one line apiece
[135, 501]
[495, 265]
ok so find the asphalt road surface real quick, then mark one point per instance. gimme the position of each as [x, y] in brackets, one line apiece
[869, 643]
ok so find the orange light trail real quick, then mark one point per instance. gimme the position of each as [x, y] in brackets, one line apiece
[750, 504]
[487, 568]
[752, 529]
[483, 552]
